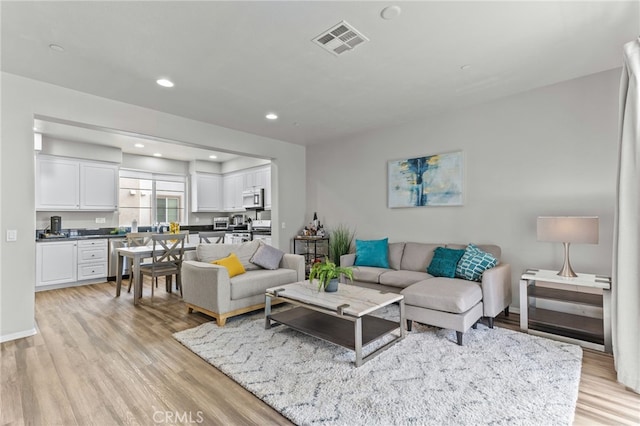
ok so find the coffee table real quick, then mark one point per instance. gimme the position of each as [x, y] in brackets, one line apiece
[341, 317]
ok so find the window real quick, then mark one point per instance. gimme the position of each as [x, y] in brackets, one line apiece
[151, 198]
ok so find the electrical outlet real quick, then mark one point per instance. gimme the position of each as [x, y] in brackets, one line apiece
[101, 220]
[283, 225]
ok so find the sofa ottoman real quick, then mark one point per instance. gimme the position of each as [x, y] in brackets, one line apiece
[444, 302]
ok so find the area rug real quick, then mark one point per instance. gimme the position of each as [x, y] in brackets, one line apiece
[499, 376]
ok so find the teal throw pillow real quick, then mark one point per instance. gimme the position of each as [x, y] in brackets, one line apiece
[444, 262]
[474, 262]
[372, 253]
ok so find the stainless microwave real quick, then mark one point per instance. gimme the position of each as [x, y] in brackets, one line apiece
[253, 198]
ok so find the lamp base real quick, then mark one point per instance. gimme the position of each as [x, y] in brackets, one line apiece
[567, 270]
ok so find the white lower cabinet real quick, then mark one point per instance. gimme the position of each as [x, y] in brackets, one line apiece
[92, 259]
[70, 262]
[56, 263]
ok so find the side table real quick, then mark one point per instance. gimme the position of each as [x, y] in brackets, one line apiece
[575, 310]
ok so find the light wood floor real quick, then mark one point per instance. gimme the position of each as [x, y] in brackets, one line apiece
[99, 360]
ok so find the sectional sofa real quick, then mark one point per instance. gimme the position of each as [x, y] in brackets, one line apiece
[452, 303]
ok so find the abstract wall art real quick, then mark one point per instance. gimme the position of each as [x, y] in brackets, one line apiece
[432, 180]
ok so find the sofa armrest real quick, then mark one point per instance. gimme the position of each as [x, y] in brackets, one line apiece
[348, 259]
[496, 289]
[206, 285]
[295, 262]
[190, 255]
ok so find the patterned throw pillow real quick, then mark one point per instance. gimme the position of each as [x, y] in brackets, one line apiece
[473, 263]
[444, 262]
[232, 263]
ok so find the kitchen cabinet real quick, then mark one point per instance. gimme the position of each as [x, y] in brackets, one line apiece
[259, 177]
[57, 184]
[98, 186]
[56, 263]
[232, 186]
[206, 192]
[68, 184]
[92, 260]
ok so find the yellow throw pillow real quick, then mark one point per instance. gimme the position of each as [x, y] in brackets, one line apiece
[232, 263]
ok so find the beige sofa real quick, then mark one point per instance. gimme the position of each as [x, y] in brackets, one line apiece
[207, 288]
[451, 303]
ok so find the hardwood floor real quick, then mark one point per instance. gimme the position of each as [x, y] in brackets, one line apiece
[99, 360]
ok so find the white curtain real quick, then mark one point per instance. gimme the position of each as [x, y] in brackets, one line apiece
[625, 298]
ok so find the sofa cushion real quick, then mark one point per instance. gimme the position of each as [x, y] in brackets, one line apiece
[395, 255]
[474, 262]
[257, 281]
[417, 256]
[444, 262]
[402, 279]
[368, 274]
[267, 257]
[232, 263]
[443, 294]
[372, 253]
[245, 251]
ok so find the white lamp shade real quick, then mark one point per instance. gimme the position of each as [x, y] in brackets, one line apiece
[568, 229]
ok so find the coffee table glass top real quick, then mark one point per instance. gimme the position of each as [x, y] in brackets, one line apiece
[360, 300]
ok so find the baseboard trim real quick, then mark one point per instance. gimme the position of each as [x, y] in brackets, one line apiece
[18, 335]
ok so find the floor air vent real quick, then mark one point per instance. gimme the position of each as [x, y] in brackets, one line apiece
[340, 38]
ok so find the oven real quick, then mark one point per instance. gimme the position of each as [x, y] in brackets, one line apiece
[239, 237]
[261, 230]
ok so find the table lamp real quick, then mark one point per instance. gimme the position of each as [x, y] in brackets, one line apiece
[567, 230]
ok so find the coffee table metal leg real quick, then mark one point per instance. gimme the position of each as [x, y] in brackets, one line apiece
[358, 340]
[403, 328]
[267, 312]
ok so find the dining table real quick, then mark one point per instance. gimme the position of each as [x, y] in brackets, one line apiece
[136, 254]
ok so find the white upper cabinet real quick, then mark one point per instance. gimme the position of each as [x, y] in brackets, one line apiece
[98, 186]
[57, 184]
[206, 192]
[232, 187]
[67, 184]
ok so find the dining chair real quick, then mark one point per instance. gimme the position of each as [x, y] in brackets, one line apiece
[137, 239]
[168, 253]
[215, 237]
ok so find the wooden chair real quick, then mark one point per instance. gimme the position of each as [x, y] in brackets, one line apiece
[168, 253]
[215, 237]
[137, 239]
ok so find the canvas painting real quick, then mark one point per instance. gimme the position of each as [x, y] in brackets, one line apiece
[434, 180]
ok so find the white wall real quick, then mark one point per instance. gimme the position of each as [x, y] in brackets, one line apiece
[22, 98]
[551, 151]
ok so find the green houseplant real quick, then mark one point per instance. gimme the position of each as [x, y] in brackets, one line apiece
[340, 239]
[327, 273]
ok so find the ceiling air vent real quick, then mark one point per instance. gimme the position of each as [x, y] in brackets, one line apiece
[340, 38]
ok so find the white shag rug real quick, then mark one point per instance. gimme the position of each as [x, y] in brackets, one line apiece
[499, 376]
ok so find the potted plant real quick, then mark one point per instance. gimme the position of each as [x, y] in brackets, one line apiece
[327, 273]
[340, 239]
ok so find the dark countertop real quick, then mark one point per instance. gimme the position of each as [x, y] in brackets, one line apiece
[101, 233]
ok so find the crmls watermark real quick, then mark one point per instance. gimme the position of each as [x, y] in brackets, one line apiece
[173, 417]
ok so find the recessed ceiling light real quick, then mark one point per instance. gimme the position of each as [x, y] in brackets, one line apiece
[465, 67]
[139, 145]
[157, 154]
[271, 116]
[56, 47]
[390, 12]
[164, 82]
[213, 156]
